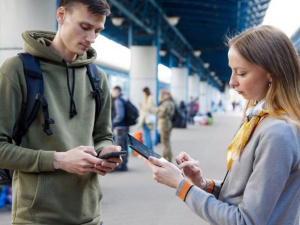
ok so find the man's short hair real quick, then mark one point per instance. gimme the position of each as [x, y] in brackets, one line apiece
[117, 88]
[100, 7]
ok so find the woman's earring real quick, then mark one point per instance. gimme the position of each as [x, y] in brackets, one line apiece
[270, 84]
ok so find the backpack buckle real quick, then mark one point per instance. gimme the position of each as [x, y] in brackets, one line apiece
[97, 91]
[46, 126]
[49, 121]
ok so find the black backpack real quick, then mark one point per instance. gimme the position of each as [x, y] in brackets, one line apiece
[36, 99]
[131, 113]
[179, 118]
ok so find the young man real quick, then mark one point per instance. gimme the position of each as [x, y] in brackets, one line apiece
[55, 179]
[120, 128]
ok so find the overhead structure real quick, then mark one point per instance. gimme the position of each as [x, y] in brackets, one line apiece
[187, 32]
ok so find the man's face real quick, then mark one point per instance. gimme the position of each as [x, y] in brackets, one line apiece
[78, 29]
[115, 93]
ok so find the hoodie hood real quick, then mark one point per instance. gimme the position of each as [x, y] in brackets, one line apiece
[37, 43]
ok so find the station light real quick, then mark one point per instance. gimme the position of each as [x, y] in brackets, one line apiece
[206, 65]
[173, 20]
[117, 21]
[197, 53]
[162, 53]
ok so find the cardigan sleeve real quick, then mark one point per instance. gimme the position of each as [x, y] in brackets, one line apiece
[276, 156]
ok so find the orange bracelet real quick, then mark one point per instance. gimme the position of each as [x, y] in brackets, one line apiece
[185, 189]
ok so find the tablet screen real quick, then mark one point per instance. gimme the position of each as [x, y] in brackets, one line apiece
[141, 148]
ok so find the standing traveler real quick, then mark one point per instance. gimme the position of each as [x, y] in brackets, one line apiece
[56, 176]
[191, 108]
[120, 128]
[147, 117]
[165, 113]
[183, 110]
[263, 161]
[196, 106]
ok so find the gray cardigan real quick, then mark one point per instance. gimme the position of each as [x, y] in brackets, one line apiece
[263, 186]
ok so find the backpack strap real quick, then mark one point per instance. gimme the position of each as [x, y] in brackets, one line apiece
[94, 79]
[35, 98]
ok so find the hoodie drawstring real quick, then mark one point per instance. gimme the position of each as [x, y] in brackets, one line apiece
[73, 111]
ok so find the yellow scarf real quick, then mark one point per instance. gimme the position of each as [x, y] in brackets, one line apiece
[243, 135]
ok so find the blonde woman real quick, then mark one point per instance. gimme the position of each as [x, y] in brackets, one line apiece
[147, 109]
[262, 185]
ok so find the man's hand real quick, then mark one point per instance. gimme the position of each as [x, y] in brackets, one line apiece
[83, 159]
[108, 165]
[79, 160]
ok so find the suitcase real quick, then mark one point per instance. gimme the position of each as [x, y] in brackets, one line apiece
[139, 136]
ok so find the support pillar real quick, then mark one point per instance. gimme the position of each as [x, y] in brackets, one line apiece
[210, 103]
[227, 99]
[203, 94]
[193, 86]
[143, 72]
[179, 84]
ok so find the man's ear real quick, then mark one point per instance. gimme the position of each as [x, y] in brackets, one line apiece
[60, 15]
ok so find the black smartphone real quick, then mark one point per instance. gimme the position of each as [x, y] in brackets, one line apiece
[113, 155]
[142, 149]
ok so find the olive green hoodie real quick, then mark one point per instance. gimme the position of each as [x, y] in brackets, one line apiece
[41, 194]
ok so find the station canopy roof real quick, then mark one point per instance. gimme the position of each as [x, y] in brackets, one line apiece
[183, 29]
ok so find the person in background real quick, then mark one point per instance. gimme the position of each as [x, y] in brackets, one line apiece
[119, 126]
[56, 177]
[263, 160]
[165, 113]
[147, 117]
[182, 108]
[196, 106]
[191, 105]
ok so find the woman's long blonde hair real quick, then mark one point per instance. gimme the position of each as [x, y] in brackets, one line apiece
[269, 48]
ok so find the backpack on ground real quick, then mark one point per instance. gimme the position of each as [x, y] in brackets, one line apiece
[131, 113]
[36, 99]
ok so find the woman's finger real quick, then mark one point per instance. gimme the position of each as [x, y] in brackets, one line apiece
[182, 157]
[189, 165]
[156, 161]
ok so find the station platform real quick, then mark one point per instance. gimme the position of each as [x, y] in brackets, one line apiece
[134, 198]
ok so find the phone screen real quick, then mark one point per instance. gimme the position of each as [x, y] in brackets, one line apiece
[141, 148]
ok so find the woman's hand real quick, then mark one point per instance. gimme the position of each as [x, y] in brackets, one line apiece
[165, 172]
[191, 169]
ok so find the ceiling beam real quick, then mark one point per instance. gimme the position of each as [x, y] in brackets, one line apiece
[131, 16]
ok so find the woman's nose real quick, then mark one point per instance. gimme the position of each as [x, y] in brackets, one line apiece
[233, 81]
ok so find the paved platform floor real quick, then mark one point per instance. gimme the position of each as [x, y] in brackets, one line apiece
[134, 198]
